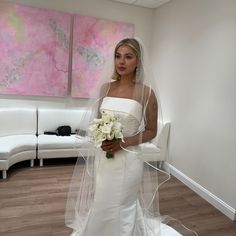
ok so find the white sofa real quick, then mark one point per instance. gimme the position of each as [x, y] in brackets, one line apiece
[22, 136]
[18, 141]
[52, 146]
[156, 150]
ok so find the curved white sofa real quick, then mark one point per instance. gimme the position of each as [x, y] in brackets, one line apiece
[18, 140]
[22, 136]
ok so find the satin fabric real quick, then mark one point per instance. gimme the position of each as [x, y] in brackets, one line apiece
[116, 209]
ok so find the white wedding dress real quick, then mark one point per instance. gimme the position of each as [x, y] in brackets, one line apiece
[116, 210]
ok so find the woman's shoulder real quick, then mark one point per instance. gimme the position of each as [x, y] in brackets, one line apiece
[146, 91]
[108, 84]
[107, 87]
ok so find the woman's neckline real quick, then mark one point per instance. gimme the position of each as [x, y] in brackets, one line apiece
[125, 99]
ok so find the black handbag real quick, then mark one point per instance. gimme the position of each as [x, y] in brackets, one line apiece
[64, 130]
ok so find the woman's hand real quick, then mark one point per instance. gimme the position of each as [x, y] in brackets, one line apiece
[111, 146]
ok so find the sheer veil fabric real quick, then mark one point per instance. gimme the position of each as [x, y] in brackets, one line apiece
[119, 196]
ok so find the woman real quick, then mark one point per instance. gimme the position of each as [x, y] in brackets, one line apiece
[127, 86]
[118, 196]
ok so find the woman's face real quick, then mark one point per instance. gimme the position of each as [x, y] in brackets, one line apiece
[125, 61]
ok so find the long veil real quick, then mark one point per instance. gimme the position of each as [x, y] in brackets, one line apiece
[83, 183]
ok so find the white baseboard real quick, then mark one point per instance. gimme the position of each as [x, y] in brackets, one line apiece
[204, 193]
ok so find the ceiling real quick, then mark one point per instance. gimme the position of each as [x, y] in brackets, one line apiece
[144, 3]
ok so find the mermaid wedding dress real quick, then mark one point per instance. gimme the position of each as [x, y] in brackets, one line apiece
[116, 210]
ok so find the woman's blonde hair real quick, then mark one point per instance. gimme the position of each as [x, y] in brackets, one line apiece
[134, 44]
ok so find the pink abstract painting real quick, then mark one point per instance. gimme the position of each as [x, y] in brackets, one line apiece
[34, 46]
[94, 41]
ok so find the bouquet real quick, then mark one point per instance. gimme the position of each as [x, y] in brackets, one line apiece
[107, 127]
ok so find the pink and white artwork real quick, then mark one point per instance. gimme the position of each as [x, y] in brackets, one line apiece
[94, 41]
[34, 46]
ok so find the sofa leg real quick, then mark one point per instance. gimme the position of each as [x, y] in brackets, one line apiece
[32, 163]
[4, 174]
[40, 162]
[160, 164]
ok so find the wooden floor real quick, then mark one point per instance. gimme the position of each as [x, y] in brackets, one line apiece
[32, 203]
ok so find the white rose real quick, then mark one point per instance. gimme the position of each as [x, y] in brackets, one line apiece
[106, 128]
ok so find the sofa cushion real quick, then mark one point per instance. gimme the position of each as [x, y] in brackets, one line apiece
[149, 147]
[18, 121]
[16, 143]
[61, 142]
[51, 119]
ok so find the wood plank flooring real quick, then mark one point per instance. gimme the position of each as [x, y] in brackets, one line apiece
[32, 203]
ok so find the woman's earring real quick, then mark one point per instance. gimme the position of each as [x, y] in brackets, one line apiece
[137, 74]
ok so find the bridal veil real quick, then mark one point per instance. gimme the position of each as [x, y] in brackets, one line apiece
[83, 182]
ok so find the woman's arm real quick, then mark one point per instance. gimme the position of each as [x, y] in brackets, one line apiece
[150, 127]
[103, 91]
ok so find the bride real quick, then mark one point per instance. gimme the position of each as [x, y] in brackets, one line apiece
[119, 196]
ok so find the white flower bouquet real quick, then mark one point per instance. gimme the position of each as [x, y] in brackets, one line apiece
[107, 127]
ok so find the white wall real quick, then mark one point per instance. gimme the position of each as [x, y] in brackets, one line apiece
[194, 56]
[140, 17]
